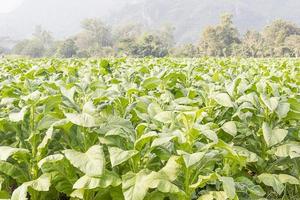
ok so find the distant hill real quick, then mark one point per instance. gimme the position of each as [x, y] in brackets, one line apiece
[189, 17]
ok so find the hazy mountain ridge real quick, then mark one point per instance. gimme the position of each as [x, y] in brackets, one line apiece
[189, 17]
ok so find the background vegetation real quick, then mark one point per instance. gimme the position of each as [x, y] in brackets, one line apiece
[278, 39]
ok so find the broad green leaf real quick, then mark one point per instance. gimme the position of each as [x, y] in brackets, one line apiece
[104, 181]
[161, 183]
[214, 195]
[228, 186]
[68, 93]
[13, 171]
[223, 99]
[271, 103]
[202, 180]
[230, 128]
[164, 117]
[6, 152]
[285, 178]
[4, 195]
[251, 157]
[83, 119]
[291, 150]
[246, 183]
[50, 159]
[273, 137]
[282, 110]
[18, 116]
[135, 186]
[144, 139]
[172, 169]
[162, 140]
[119, 156]
[89, 108]
[92, 162]
[154, 109]
[46, 122]
[42, 184]
[192, 159]
[151, 83]
[272, 181]
[77, 194]
[210, 135]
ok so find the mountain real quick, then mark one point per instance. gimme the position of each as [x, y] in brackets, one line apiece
[189, 17]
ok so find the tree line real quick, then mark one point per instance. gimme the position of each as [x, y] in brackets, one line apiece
[96, 39]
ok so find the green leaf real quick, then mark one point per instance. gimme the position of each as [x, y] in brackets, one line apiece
[210, 135]
[151, 83]
[272, 181]
[161, 141]
[42, 184]
[172, 169]
[92, 162]
[228, 186]
[18, 116]
[223, 99]
[6, 152]
[251, 157]
[273, 137]
[192, 159]
[230, 128]
[202, 180]
[13, 171]
[282, 110]
[164, 117]
[144, 139]
[119, 156]
[214, 195]
[285, 178]
[104, 181]
[83, 119]
[271, 103]
[135, 186]
[4, 195]
[154, 109]
[291, 149]
[50, 159]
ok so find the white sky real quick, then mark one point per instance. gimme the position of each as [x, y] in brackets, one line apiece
[7, 6]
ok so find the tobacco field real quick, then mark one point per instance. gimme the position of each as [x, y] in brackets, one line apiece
[153, 129]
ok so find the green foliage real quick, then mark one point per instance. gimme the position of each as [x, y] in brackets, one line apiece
[220, 40]
[68, 49]
[163, 129]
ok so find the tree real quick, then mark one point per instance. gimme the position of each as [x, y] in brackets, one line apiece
[275, 35]
[150, 44]
[166, 33]
[68, 49]
[186, 50]
[253, 44]
[126, 37]
[219, 40]
[3, 50]
[98, 32]
[293, 44]
[43, 36]
[33, 48]
[132, 40]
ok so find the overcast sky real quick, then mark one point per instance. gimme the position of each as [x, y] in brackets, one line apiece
[7, 6]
